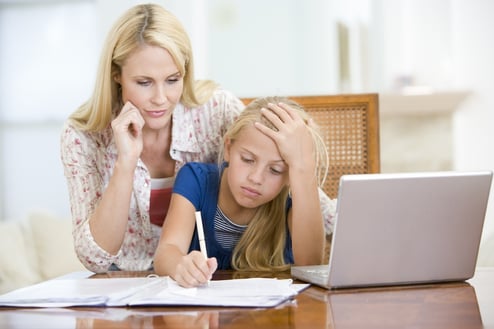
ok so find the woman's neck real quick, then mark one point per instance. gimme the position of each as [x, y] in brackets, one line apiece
[156, 153]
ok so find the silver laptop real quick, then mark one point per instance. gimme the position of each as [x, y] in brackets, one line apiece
[406, 228]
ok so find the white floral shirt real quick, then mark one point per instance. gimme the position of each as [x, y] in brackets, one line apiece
[89, 158]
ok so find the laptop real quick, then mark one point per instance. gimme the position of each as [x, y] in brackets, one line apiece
[404, 228]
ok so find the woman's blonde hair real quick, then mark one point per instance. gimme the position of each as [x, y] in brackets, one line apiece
[146, 24]
[261, 247]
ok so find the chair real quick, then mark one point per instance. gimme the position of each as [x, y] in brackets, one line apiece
[350, 125]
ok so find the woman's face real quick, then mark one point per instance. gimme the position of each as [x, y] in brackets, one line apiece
[256, 172]
[152, 82]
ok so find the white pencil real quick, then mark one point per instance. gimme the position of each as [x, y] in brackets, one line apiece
[200, 232]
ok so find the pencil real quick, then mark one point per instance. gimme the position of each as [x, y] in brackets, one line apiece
[200, 232]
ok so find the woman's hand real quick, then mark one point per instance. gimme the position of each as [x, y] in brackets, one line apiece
[127, 130]
[194, 270]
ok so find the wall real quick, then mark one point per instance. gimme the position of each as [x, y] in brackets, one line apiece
[473, 51]
[47, 64]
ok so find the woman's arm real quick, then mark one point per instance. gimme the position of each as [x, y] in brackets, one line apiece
[81, 156]
[100, 203]
[108, 222]
[171, 256]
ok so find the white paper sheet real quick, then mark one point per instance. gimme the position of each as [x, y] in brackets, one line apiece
[253, 292]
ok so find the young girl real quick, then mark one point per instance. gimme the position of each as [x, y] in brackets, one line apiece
[260, 207]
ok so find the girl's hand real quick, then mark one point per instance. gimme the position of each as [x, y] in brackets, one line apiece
[127, 129]
[193, 270]
[293, 138]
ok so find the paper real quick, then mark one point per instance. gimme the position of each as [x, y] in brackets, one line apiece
[253, 292]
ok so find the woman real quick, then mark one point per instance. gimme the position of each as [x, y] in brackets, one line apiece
[121, 149]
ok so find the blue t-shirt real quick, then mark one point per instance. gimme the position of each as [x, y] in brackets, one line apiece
[199, 183]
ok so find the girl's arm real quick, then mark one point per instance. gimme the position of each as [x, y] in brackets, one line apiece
[171, 258]
[305, 219]
[296, 146]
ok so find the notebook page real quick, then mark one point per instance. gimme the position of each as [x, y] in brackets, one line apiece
[76, 292]
[252, 292]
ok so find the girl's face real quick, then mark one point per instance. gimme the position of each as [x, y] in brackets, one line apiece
[152, 82]
[256, 172]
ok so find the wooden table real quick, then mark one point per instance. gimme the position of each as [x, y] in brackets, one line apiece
[454, 305]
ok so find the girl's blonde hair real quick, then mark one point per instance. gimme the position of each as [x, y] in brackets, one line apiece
[261, 247]
[146, 24]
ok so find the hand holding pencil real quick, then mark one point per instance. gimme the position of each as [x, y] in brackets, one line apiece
[211, 263]
[202, 239]
[188, 268]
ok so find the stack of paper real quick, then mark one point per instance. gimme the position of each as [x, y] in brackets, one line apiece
[254, 292]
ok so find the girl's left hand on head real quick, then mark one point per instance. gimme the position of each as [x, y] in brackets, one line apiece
[293, 138]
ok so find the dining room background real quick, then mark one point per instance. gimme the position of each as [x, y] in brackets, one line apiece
[429, 60]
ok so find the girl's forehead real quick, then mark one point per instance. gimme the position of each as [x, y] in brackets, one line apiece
[254, 141]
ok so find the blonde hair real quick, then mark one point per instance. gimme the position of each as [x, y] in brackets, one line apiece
[146, 24]
[261, 247]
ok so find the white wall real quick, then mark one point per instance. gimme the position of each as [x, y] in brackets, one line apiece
[473, 51]
[272, 47]
[412, 40]
[47, 64]
[256, 47]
